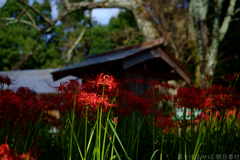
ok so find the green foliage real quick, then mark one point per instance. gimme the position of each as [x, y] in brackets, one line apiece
[19, 40]
[24, 47]
[120, 32]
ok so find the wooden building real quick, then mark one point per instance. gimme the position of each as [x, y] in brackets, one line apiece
[148, 60]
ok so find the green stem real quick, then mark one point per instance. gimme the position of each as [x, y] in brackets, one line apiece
[113, 141]
[86, 123]
[105, 133]
[71, 133]
[153, 119]
[162, 146]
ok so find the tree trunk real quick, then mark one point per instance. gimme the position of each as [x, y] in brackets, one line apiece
[207, 53]
[144, 24]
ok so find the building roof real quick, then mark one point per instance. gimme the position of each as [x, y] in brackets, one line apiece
[37, 80]
[126, 58]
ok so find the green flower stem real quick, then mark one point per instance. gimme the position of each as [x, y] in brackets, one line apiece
[71, 133]
[153, 120]
[105, 133]
[97, 132]
[71, 125]
[85, 144]
[162, 146]
[100, 129]
[113, 141]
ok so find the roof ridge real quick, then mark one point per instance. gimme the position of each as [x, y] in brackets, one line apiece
[152, 42]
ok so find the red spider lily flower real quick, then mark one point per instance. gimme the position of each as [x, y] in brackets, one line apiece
[5, 79]
[165, 122]
[94, 101]
[103, 80]
[191, 97]
[165, 97]
[6, 154]
[151, 91]
[231, 78]
[168, 86]
[65, 87]
[138, 103]
[115, 120]
[153, 82]
[202, 116]
[4, 148]
[24, 93]
[216, 89]
[138, 80]
[134, 102]
[209, 78]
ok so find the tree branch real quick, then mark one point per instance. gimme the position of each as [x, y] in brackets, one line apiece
[227, 19]
[25, 10]
[69, 53]
[14, 20]
[101, 4]
[36, 11]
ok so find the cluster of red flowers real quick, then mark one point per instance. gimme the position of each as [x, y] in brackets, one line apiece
[130, 102]
[217, 97]
[17, 106]
[94, 101]
[191, 97]
[6, 154]
[137, 80]
[214, 100]
[103, 80]
[5, 79]
[165, 122]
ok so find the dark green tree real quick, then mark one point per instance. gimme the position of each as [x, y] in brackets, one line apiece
[23, 43]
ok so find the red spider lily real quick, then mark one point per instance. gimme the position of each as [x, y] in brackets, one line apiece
[209, 78]
[65, 87]
[9, 103]
[94, 101]
[216, 89]
[165, 122]
[153, 82]
[167, 86]
[4, 148]
[165, 97]
[103, 80]
[5, 79]
[231, 78]
[192, 97]
[115, 120]
[151, 91]
[6, 154]
[202, 116]
[138, 103]
[137, 80]
[134, 102]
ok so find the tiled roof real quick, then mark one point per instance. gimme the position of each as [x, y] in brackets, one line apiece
[37, 80]
[105, 58]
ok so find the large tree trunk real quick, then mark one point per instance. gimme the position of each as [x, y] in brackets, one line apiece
[207, 53]
[144, 24]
